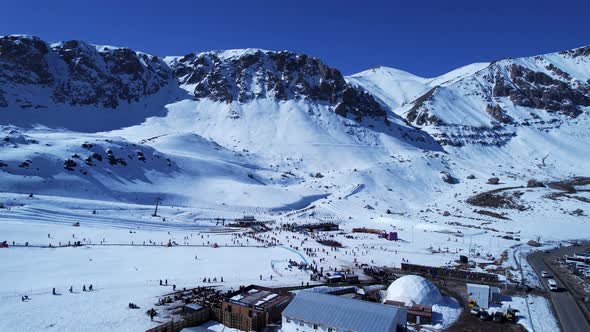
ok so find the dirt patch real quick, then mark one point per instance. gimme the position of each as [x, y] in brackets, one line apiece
[498, 198]
[492, 214]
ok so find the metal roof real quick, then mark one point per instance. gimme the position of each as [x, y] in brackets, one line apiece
[194, 306]
[343, 313]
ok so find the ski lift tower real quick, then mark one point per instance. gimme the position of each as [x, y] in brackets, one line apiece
[158, 200]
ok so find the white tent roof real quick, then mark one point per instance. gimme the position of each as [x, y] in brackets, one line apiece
[412, 289]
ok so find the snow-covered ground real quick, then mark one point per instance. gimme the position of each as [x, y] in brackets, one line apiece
[287, 161]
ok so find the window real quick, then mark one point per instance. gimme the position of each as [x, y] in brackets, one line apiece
[315, 326]
[300, 323]
[330, 329]
[288, 320]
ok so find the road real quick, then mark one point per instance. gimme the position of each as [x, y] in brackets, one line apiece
[570, 316]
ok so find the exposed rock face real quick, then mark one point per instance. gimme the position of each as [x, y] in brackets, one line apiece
[498, 113]
[419, 114]
[448, 178]
[76, 73]
[280, 75]
[539, 90]
[577, 52]
[79, 74]
[493, 181]
[109, 76]
[487, 107]
[532, 183]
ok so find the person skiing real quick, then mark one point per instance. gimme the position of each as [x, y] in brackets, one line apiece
[173, 287]
[71, 289]
[166, 282]
[83, 288]
[22, 298]
[161, 282]
[53, 292]
[90, 288]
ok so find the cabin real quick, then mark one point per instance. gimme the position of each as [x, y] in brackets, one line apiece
[253, 308]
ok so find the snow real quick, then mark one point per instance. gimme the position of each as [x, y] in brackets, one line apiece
[119, 275]
[209, 160]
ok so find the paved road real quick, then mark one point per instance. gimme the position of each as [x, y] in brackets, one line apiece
[570, 316]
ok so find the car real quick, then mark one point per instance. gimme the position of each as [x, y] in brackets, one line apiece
[545, 274]
[475, 311]
[552, 285]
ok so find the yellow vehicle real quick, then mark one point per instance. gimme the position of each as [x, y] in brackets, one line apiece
[510, 314]
[472, 303]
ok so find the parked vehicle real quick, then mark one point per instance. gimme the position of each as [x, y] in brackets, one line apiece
[498, 317]
[484, 315]
[510, 314]
[552, 285]
[474, 311]
[544, 274]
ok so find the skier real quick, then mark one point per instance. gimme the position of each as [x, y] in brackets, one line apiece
[90, 288]
[71, 289]
[22, 298]
[53, 291]
[173, 287]
[161, 282]
[83, 288]
[221, 279]
[166, 282]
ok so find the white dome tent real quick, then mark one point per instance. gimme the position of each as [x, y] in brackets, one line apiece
[412, 289]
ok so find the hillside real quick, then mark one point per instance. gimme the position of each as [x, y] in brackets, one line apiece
[261, 131]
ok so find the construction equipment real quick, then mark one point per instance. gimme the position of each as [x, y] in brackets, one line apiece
[510, 314]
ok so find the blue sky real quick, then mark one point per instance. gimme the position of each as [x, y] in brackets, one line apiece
[427, 38]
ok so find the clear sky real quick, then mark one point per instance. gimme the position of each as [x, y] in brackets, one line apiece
[427, 38]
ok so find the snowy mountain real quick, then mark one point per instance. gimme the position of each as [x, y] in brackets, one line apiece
[488, 100]
[249, 129]
[475, 162]
[246, 75]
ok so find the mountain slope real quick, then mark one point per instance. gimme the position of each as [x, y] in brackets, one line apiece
[486, 104]
[255, 130]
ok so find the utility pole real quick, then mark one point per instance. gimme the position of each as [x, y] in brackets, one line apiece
[156, 210]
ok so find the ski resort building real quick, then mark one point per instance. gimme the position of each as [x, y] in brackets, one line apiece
[313, 312]
[253, 308]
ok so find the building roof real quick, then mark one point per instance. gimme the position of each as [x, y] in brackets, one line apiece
[343, 313]
[257, 297]
[194, 306]
[413, 289]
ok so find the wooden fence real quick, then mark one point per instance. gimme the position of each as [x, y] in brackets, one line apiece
[189, 320]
